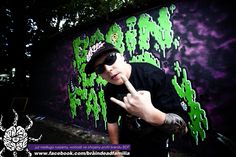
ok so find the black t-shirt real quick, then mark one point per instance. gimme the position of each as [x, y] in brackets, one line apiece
[136, 131]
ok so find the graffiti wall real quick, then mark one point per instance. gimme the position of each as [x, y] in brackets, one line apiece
[193, 41]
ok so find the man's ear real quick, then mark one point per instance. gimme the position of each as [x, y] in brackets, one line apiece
[124, 58]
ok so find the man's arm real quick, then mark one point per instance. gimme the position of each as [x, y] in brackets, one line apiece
[138, 103]
[113, 132]
[172, 123]
[175, 124]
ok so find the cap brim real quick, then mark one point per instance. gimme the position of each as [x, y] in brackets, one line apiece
[89, 68]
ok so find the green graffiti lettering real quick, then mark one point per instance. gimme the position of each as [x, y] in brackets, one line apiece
[145, 24]
[198, 120]
[92, 105]
[85, 92]
[146, 57]
[161, 31]
[74, 102]
[131, 35]
[97, 36]
[101, 83]
[75, 97]
[103, 106]
[115, 36]
[82, 92]
[165, 29]
[176, 42]
[172, 8]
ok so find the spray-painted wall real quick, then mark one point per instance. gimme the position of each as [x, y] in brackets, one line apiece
[193, 41]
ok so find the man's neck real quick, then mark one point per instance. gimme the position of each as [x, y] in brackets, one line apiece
[129, 70]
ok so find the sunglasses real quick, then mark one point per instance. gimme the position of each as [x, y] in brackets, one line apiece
[109, 60]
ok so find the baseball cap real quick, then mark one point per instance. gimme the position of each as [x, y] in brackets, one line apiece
[95, 51]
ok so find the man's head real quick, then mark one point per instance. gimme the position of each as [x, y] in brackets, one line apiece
[104, 59]
[96, 51]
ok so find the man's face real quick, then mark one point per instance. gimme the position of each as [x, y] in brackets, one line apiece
[110, 67]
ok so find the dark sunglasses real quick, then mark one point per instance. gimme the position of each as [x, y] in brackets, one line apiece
[109, 60]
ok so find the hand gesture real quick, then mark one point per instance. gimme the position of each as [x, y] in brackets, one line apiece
[137, 103]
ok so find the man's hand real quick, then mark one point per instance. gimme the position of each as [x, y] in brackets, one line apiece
[137, 103]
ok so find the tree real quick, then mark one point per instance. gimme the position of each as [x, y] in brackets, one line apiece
[27, 22]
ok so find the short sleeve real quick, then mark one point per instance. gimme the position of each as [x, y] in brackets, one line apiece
[112, 109]
[164, 96]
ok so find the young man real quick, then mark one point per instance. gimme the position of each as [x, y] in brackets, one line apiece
[144, 98]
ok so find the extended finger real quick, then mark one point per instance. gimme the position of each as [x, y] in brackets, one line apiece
[130, 98]
[126, 100]
[144, 92]
[129, 86]
[121, 103]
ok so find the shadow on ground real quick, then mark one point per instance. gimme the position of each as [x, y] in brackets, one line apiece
[61, 133]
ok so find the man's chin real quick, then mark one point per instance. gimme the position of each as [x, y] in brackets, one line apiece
[116, 82]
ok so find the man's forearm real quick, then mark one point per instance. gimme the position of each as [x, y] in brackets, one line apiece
[174, 124]
[171, 122]
[113, 132]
